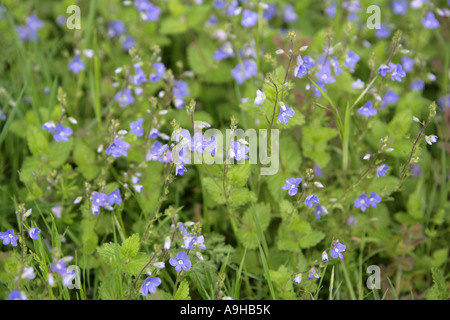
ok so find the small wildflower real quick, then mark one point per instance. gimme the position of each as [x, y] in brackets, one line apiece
[34, 233]
[310, 200]
[285, 113]
[62, 133]
[381, 170]
[292, 185]
[337, 250]
[367, 110]
[149, 285]
[181, 261]
[8, 237]
[76, 65]
[431, 139]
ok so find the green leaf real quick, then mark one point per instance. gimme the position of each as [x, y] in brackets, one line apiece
[183, 291]
[172, 25]
[130, 247]
[239, 174]
[37, 141]
[135, 265]
[109, 288]
[200, 58]
[58, 153]
[108, 251]
[438, 291]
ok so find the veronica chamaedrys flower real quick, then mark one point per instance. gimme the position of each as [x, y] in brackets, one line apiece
[139, 77]
[116, 28]
[180, 92]
[270, 11]
[16, 295]
[362, 202]
[298, 278]
[313, 274]
[384, 69]
[68, 277]
[191, 242]
[407, 63]
[62, 133]
[181, 261]
[337, 250]
[374, 199]
[292, 185]
[198, 143]
[180, 169]
[50, 126]
[118, 148]
[76, 65]
[351, 60]
[289, 14]
[391, 97]
[124, 97]
[324, 256]
[239, 151]
[8, 237]
[34, 233]
[249, 18]
[325, 75]
[160, 72]
[418, 85]
[250, 70]
[114, 197]
[128, 43]
[430, 21]
[383, 32]
[431, 139]
[149, 286]
[34, 24]
[28, 273]
[398, 73]
[381, 170]
[136, 127]
[352, 222]
[59, 266]
[99, 199]
[310, 200]
[150, 12]
[367, 110]
[260, 96]
[285, 113]
[400, 7]
[319, 211]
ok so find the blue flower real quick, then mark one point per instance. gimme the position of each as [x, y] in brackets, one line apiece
[337, 250]
[310, 200]
[118, 148]
[398, 73]
[99, 199]
[128, 43]
[407, 63]
[325, 75]
[362, 202]
[16, 295]
[124, 97]
[151, 12]
[150, 285]
[292, 185]
[331, 10]
[180, 169]
[260, 97]
[8, 237]
[62, 133]
[34, 24]
[136, 127]
[114, 197]
[160, 72]
[180, 91]
[367, 110]
[319, 211]
[285, 113]
[324, 256]
[321, 85]
[289, 14]
[374, 199]
[23, 32]
[381, 170]
[220, 4]
[76, 65]
[34, 233]
[298, 278]
[391, 97]
[139, 77]
[384, 69]
[249, 18]
[250, 70]
[115, 28]
[431, 139]
[383, 32]
[191, 242]
[430, 21]
[313, 274]
[50, 126]
[418, 85]
[59, 266]
[239, 151]
[303, 64]
[351, 60]
[181, 261]
[270, 11]
[400, 7]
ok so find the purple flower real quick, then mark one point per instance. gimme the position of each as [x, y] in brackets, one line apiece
[319, 211]
[191, 242]
[250, 70]
[383, 32]
[128, 43]
[324, 256]
[381, 170]
[198, 143]
[150, 285]
[270, 11]
[312, 274]
[321, 85]
[220, 4]
[239, 151]
[34, 233]
[160, 72]
[8, 237]
[23, 32]
[180, 91]
[325, 75]
[76, 65]
[62, 133]
[114, 197]
[139, 77]
[444, 101]
[220, 54]
[418, 85]
[317, 170]
[260, 96]
[181, 261]
[50, 126]
[99, 199]
[33, 25]
[180, 169]
[124, 97]
[150, 12]
[289, 14]
[249, 18]
[415, 170]
[337, 250]
[303, 64]
[336, 67]
[398, 73]
[351, 60]
[374, 199]
[331, 10]
[59, 266]
[118, 148]
[211, 146]
[136, 127]
[431, 139]
[391, 97]
[351, 221]
[362, 202]
[292, 185]
[367, 110]
[400, 7]
[16, 295]
[430, 21]
[407, 63]
[310, 200]
[285, 113]
[384, 69]
[298, 278]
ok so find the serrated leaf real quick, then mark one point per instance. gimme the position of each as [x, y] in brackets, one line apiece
[183, 291]
[438, 291]
[130, 247]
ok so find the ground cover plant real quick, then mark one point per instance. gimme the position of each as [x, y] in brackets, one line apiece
[206, 150]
